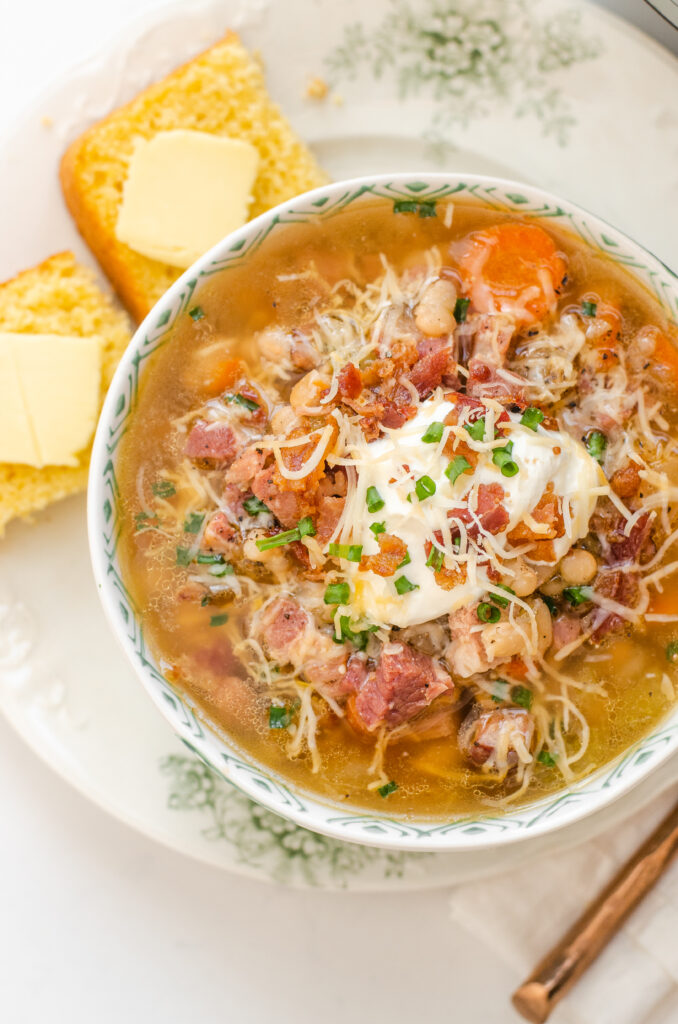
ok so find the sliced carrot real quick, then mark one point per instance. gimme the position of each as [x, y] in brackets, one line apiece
[221, 374]
[512, 268]
[666, 354]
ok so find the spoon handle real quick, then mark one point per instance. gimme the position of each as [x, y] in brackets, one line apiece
[588, 936]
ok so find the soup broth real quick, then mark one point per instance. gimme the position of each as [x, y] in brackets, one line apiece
[398, 507]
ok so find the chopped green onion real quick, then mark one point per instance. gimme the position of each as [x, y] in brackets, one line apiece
[219, 620]
[163, 489]
[193, 523]
[374, 500]
[424, 487]
[578, 595]
[476, 429]
[501, 457]
[501, 691]
[544, 757]
[246, 403]
[406, 561]
[487, 613]
[522, 696]
[142, 521]
[357, 637]
[253, 506]
[305, 527]
[280, 716]
[461, 309]
[278, 540]
[224, 569]
[388, 788]
[197, 313]
[589, 308]
[458, 466]
[404, 586]
[206, 599]
[208, 559]
[337, 593]
[435, 559]
[596, 443]
[532, 417]
[550, 603]
[434, 432]
[502, 601]
[672, 651]
[351, 552]
[378, 528]
[184, 556]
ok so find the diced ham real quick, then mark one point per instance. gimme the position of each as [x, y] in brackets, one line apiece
[486, 337]
[404, 682]
[466, 654]
[475, 647]
[566, 629]
[618, 549]
[618, 585]
[220, 534]
[290, 636]
[491, 739]
[215, 442]
[246, 466]
[485, 382]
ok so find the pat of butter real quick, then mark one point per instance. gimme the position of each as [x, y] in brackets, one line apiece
[49, 397]
[184, 191]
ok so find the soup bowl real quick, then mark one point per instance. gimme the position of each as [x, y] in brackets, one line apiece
[410, 193]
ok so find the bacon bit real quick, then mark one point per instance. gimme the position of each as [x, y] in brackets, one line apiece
[557, 449]
[626, 481]
[543, 551]
[427, 374]
[619, 586]
[329, 514]
[294, 458]
[350, 381]
[619, 549]
[447, 579]
[548, 512]
[392, 550]
[490, 511]
[484, 382]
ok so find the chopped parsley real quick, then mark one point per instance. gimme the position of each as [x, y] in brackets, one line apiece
[404, 586]
[596, 443]
[589, 308]
[502, 601]
[487, 612]
[280, 715]
[246, 403]
[522, 696]
[374, 500]
[219, 620]
[434, 432]
[476, 429]
[197, 313]
[387, 789]
[337, 593]
[351, 552]
[163, 489]
[435, 559]
[458, 466]
[544, 757]
[253, 506]
[143, 521]
[461, 310]
[672, 651]
[378, 528]
[184, 556]
[424, 487]
[193, 522]
[532, 417]
[501, 457]
[578, 595]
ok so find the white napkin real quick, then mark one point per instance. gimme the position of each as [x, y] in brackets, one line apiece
[522, 914]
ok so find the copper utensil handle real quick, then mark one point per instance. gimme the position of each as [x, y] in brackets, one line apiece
[588, 936]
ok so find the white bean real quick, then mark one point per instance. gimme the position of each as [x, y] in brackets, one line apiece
[578, 567]
[434, 314]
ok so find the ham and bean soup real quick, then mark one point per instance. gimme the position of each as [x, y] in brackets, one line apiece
[400, 507]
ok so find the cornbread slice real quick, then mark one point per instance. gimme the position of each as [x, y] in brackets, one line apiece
[221, 91]
[57, 297]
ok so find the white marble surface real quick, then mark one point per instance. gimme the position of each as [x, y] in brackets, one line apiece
[101, 924]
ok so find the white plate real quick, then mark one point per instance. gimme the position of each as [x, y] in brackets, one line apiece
[560, 94]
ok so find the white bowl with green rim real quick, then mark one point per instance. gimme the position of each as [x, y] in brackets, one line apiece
[409, 192]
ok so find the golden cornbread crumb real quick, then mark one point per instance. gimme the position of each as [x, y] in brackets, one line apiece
[317, 89]
[220, 91]
[56, 297]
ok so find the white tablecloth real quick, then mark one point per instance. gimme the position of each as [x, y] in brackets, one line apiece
[100, 924]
